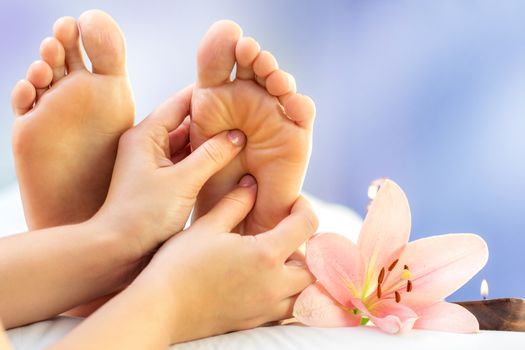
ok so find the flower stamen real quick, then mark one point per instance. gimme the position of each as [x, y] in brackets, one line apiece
[392, 265]
[398, 296]
[378, 291]
[409, 286]
[381, 276]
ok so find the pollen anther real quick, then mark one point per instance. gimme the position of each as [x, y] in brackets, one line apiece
[381, 276]
[392, 265]
[398, 297]
[409, 286]
[378, 291]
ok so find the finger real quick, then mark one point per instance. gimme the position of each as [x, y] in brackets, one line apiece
[180, 137]
[172, 112]
[295, 229]
[210, 157]
[296, 278]
[232, 208]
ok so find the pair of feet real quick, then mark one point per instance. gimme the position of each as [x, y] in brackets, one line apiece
[69, 120]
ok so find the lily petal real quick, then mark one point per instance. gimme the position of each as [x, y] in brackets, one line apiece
[447, 317]
[440, 265]
[385, 230]
[337, 263]
[315, 307]
[389, 316]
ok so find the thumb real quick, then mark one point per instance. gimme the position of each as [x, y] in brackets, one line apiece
[211, 156]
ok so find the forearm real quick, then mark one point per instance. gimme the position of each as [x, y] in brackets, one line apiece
[140, 317]
[49, 271]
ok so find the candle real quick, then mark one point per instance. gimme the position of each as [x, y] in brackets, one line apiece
[503, 314]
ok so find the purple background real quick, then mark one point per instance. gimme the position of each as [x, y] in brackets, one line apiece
[430, 94]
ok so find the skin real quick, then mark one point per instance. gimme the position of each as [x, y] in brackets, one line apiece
[143, 209]
[168, 302]
[263, 103]
[82, 154]
[46, 104]
[83, 112]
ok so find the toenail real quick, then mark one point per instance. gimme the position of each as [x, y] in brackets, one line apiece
[236, 137]
[247, 181]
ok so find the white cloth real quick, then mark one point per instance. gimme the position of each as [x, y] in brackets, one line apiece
[39, 335]
[332, 218]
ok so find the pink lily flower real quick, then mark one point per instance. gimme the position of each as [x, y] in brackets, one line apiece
[385, 279]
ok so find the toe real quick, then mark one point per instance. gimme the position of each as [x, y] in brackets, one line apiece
[103, 41]
[216, 54]
[66, 31]
[52, 52]
[283, 98]
[300, 109]
[265, 64]
[279, 83]
[22, 97]
[245, 53]
[39, 74]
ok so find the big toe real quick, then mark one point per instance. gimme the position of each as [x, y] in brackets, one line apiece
[216, 54]
[103, 41]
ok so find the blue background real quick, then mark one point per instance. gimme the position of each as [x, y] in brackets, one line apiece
[428, 93]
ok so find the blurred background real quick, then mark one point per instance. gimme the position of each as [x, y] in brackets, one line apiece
[430, 94]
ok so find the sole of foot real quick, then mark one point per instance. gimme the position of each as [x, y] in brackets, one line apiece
[69, 120]
[261, 100]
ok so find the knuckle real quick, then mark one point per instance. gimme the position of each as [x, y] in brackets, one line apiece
[268, 257]
[213, 152]
[236, 199]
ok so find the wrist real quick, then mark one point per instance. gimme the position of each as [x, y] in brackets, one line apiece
[121, 254]
[165, 303]
[119, 233]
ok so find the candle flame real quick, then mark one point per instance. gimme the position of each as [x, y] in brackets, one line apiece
[484, 290]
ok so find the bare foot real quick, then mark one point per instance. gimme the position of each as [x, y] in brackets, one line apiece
[68, 120]
[263, 103]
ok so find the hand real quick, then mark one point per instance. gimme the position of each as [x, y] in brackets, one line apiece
[156, 176]
[213, 281]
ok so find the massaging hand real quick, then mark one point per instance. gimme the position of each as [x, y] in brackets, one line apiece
[206, 281]
[156, 179]
[213, 281]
